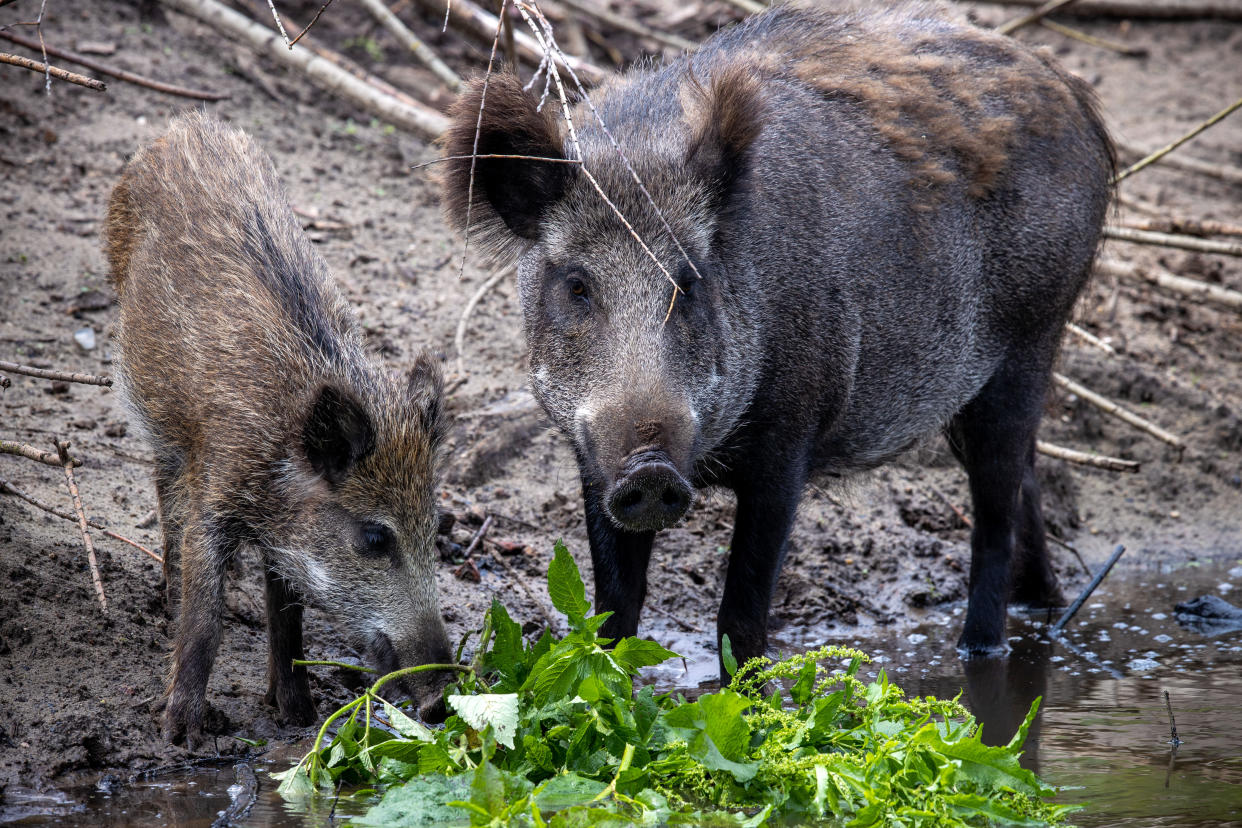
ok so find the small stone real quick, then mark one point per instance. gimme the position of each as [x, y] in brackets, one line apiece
[1175, 514]
[85, 337]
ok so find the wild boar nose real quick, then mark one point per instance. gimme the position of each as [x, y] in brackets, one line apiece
[650, 495]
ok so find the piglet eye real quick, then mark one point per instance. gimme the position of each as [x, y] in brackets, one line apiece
[377, 541]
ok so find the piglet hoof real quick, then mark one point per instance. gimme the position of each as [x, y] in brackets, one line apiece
[296, 708]
[183, 723]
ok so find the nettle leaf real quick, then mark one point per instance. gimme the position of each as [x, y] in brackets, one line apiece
[635, 653]
[295, 783]
[567, 790]
[988, 767]
[421, 801]
[565, 586]
[500, 710]
[507, 655]
[406, 726]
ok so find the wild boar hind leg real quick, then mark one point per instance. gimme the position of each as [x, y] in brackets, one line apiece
[620, 561]
[205, 552]
[288, 687]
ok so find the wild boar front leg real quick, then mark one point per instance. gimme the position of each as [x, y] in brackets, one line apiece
[620, 561]
[205, 551]
[288, 687]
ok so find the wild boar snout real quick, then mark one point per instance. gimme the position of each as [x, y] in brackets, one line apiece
[425, 689]
[650, 494]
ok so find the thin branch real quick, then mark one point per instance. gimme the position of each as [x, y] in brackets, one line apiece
[628, 24]
[412, 42]
[31, 453]
[1171, 240]
[8, 488]
[1165, 150]
[1011, 26]
[313, 21]
[1090, 338]
[52, 71]
[119, 74]
[1192, 288]
[748, 6]
[1193, 227]
[62, 449]
[281, 26]
[1081, 458]
[1091, 40]
[1086, 591]
[50, 374]
[1125, 415]
[459, 338]
[1143, 9]
[573, 161]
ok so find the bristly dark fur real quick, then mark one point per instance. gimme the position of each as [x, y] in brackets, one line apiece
[725, 119]
[510, 126]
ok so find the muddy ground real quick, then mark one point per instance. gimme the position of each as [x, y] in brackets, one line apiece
[80, 690]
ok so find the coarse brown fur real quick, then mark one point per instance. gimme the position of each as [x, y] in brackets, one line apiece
[244, 364]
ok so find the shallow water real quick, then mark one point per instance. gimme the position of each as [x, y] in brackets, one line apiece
[1102, 733]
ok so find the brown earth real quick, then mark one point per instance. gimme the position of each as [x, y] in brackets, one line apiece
[80, 690]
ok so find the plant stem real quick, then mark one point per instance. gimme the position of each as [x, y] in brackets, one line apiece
[298, 662]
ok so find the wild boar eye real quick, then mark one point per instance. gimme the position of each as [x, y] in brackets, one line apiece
[377, 541]
[577, 288]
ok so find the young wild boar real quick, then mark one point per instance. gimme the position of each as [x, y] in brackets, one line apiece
[891, 214]
[245, 367]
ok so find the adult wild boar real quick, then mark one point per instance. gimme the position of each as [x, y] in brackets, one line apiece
[887, 217]
[244, 365]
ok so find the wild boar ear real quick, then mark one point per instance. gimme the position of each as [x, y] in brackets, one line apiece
[425, 384]
[337, 433]
[725, 119]
[510, 196]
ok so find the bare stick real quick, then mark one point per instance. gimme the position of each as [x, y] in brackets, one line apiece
[478, 536]
[1067, 546]
[8, 488]
[1086, 592]
[52, 71]
[459, 338]
[412, 42]
[418, 119]
[1173, 224]
[1172, 240]
[956, 510]
[676, 619]
[313, 21]
[1090, 338]
[1173, 740]
[50, 374]
[1166, 149]
[31, 453]
[571, 161]
[119, 74]
[1225, 172]
[1091, 40]
[627, 24]
[62, 449]
[748, 6]
[1081, 458]
[1011, 26]
[1180, 285]
[281, 26]
[1104, 404]
[1142, 9]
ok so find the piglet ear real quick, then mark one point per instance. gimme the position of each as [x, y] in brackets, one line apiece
[425, 384]
[725, 118]
[510, 196]
[337, 433]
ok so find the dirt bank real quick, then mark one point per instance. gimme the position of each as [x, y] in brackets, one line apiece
[79, 691]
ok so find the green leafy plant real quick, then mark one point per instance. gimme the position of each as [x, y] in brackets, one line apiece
[551, 732]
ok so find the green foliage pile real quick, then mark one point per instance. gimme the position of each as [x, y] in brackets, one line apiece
[552, 733]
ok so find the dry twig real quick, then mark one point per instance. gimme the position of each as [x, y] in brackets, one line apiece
[1090, 338]
[1081, 458]
[1193, 227]
[1086, 591]
[1129, 234]
[31, 453]
[1091, 40]
[1011, 26]
[748, 6]
[1180, 285]
[459, 338]
[313, 21]
[412, 42]
[628, 24]
[62, 449]
[52, 71]
[8, 488]
[119, 74]
[1125, 415]
[1143, 9]
[50, 374]
[1165, 150]
[676, 619]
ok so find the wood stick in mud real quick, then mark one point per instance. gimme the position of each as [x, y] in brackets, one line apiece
[1222, 248]
[1086, 591]
[32, 453]
[54, 71]
[1190, 288]
[411, 41]
[8, 488]
[1187, 226]
[50, 374]
[459, 338]
[1125, 415]
[628, 24]
[119, 74]
[62, 449]
[1224, 172]
[1143, 9]
[1090, 338]
[1011, 26]
[420, 120]
[1081, 458]
[1091, 40]
[474, 20]
[1167, 148]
